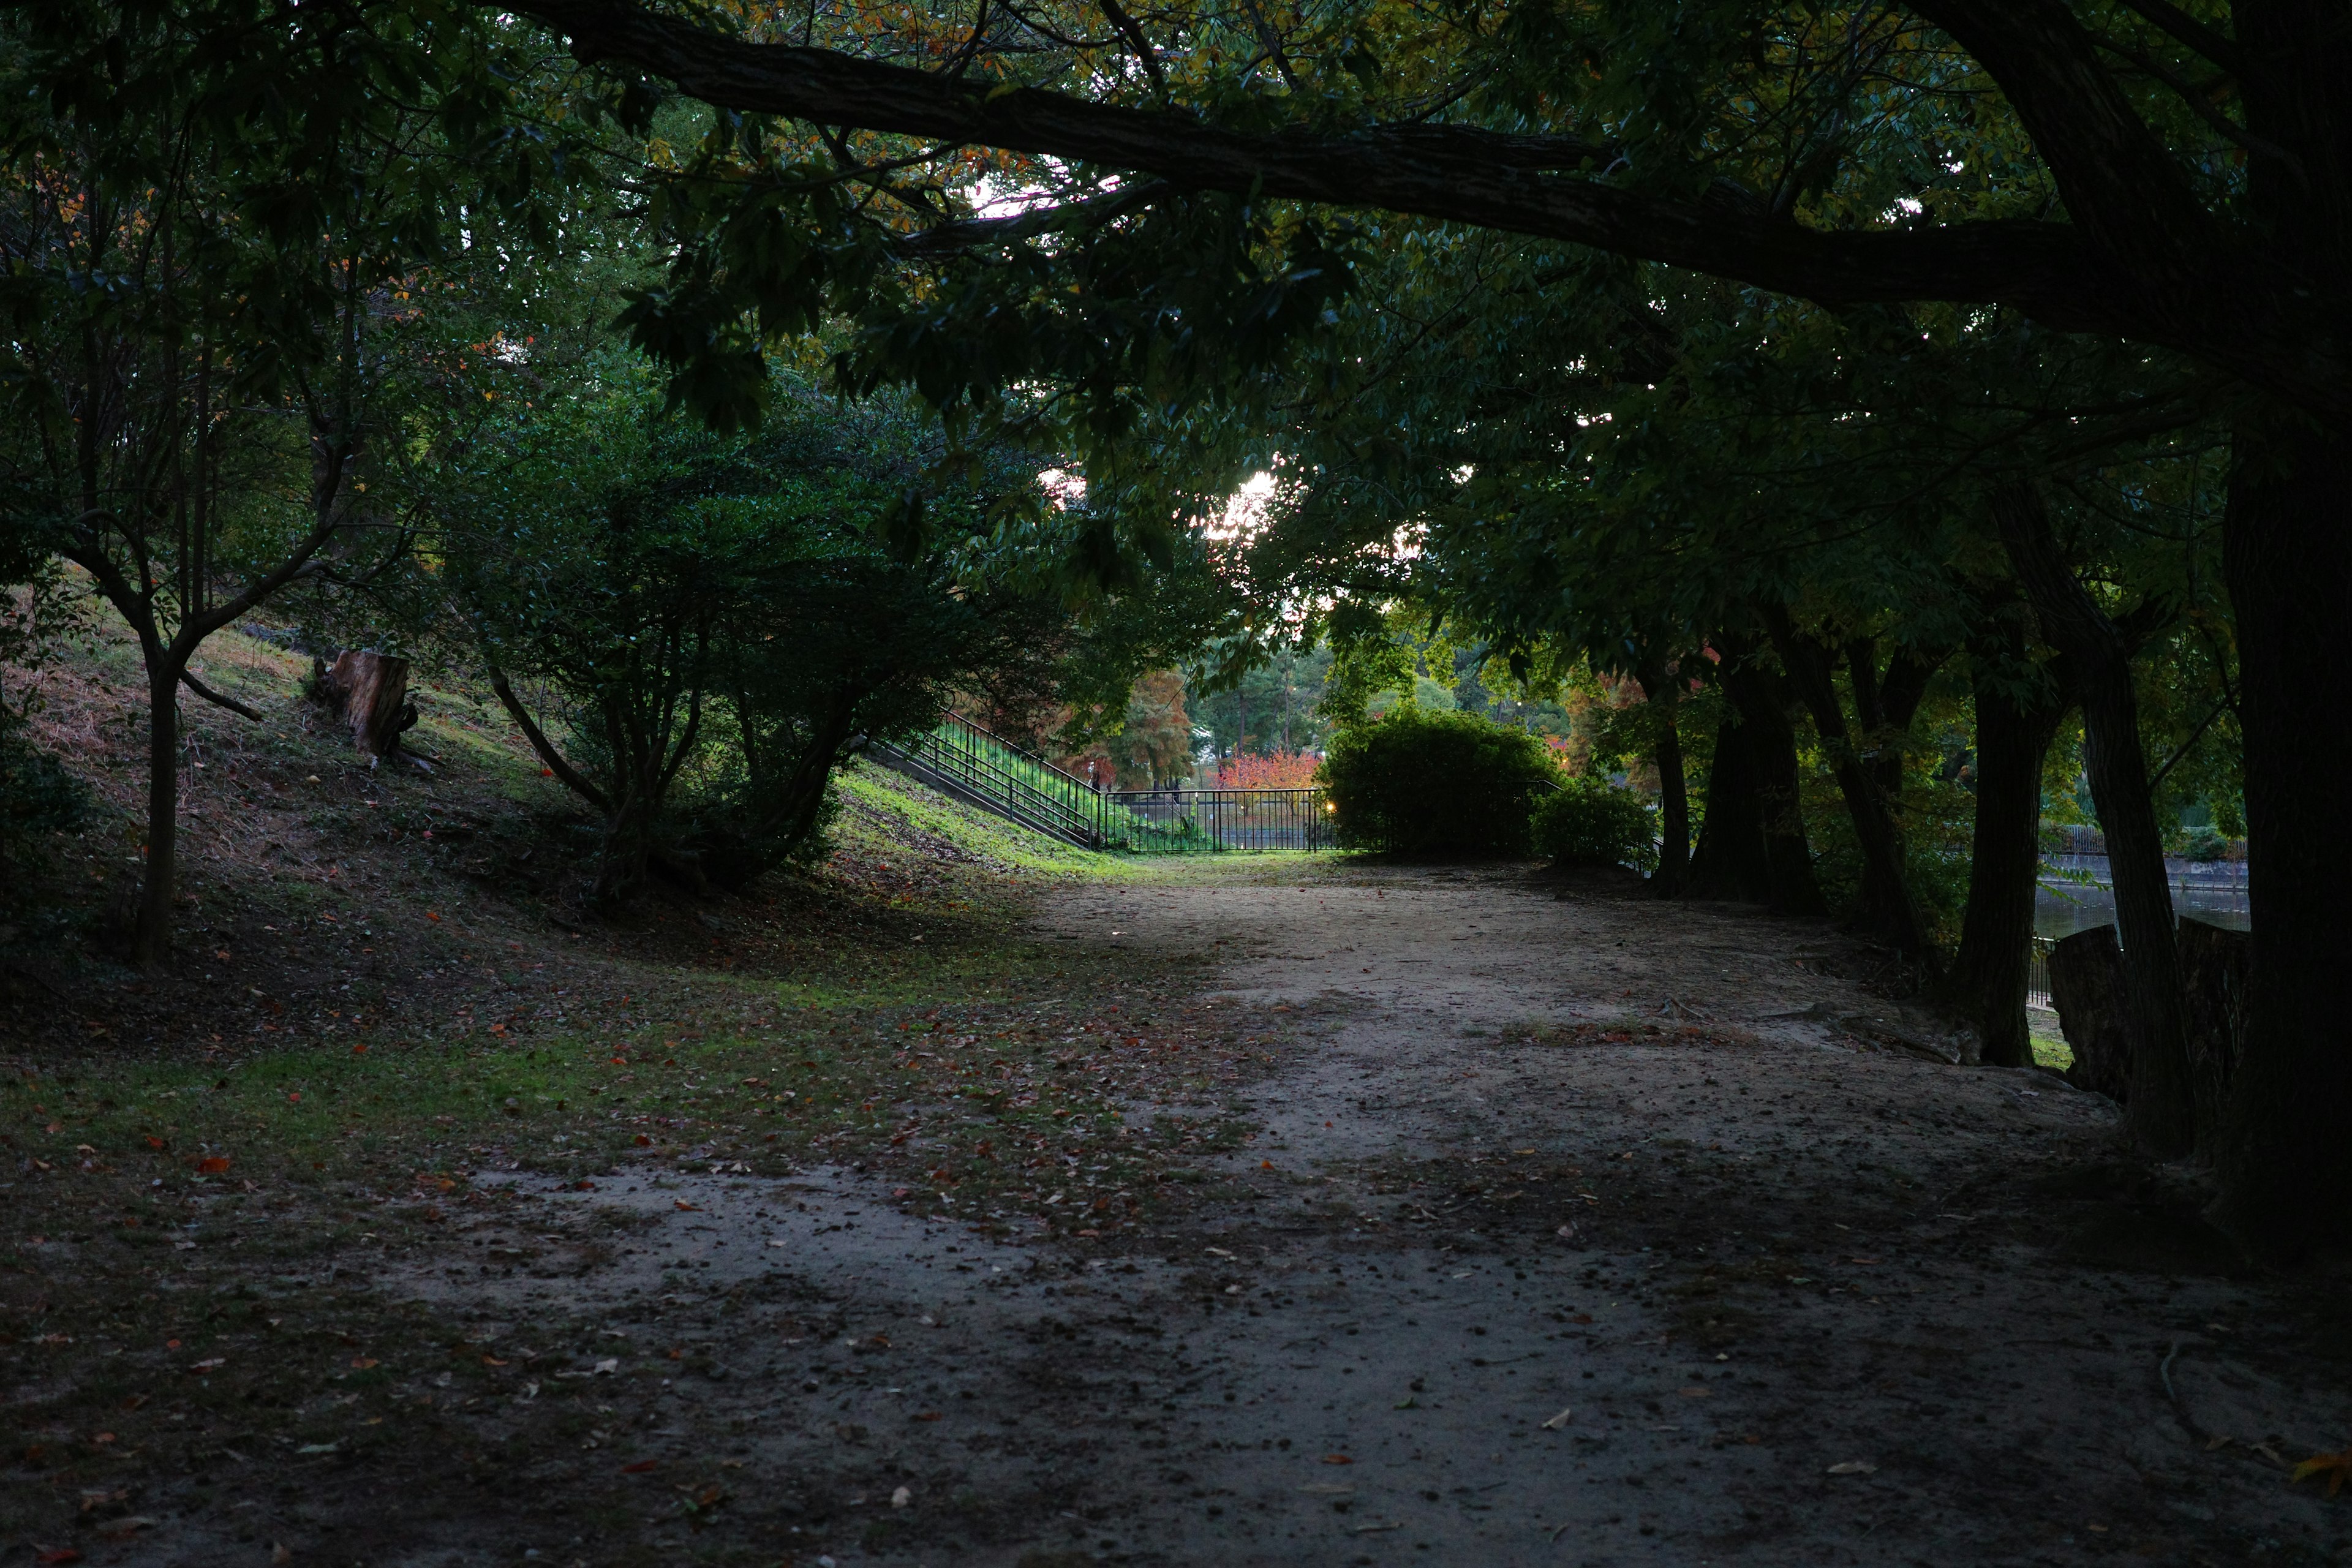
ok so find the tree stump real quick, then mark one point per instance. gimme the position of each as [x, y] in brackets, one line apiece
[2086, 987]
[369, 691]
[2214, 964]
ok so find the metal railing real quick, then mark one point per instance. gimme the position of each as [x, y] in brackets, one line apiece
[1025, 787]
[1237, 818]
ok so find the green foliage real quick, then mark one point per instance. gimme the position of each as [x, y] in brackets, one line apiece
[1589, 822]
[1424, 784]
[37, 797]
[714, 622]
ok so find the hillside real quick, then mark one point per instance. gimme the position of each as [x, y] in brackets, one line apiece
[324, 898]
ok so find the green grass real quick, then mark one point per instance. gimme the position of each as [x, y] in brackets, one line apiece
[957, 1068]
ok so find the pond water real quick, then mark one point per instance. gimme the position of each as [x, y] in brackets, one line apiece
[2076, 893]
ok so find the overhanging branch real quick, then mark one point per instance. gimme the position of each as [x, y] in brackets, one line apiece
[1523, 184]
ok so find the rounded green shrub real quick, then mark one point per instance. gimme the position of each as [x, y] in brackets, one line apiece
[1589, 822]
[1420, 783]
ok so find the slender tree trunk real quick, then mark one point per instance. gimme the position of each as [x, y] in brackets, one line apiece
[2286, 1156]
[1762, 699]
[2015, 725]
[2161, 1114]
[1888, 907]
[150, 934]
[1673, 793]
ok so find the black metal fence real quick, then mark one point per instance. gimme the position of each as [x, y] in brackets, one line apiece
[1032, 791]
[1210, 819]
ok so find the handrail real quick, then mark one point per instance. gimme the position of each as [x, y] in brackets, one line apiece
[1025, 787]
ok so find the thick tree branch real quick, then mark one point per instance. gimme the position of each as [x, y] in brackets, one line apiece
[219, 699]
[570, 775]
[951, 238]
[2142, 258]
[2187, 29]
[1523, 184]
[2126, 193]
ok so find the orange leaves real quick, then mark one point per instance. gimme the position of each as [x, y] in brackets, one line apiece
[641, 1467]
[212, 1164]
[2334, 1466]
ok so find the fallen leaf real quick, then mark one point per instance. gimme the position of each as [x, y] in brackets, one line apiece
[902, 1497]
[608, 1367]
[361, 1363]
[1854, 1467]
[212, 1165]
[2334, 1466]
[930, 1415]
[687, 1207]
[1696, 1392]
[1560, 1420]
[318, 1448]
[640, 1467]
[56, 1554]
[1338, 1459]
[204, 1366]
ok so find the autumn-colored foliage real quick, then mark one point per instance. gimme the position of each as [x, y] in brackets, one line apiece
[1281, 769]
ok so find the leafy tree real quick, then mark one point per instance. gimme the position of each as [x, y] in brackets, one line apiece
[214, 217]
[715, 622]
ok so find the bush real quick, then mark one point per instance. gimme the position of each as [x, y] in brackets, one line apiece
[2203, 844]
[38, 797]
[1423, 782]
[1589, 823]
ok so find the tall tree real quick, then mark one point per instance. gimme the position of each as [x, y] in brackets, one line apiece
[214, 216]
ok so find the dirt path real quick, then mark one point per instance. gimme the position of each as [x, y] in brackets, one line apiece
[1580, 1230]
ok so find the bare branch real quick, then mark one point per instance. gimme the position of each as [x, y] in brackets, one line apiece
[218, 699]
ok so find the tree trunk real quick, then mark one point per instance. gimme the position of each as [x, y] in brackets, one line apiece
[1731, 861]
[370, 692]
[2014, 728]
[2286, 1155]
[1889, 908]
[1673, 793]
[2215, 963]
[2092, 993]
[150, 933]
[2163, 1118]
[1763, 702]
